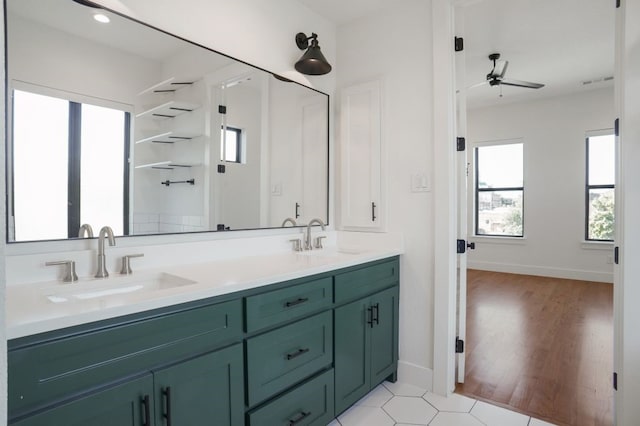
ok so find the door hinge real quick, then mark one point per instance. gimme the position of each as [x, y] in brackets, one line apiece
[460, 144]
[616, 127]
[222, 109]
[616, 254]
[615, 381]
[222, 168]
[462, 246]
[458, 43]
[459, 346]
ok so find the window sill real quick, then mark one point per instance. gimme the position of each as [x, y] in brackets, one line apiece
[498, 240]
[597, 245]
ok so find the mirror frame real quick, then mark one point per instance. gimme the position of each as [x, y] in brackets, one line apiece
[9, 143]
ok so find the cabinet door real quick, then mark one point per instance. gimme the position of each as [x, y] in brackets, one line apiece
[384, 335]
[352, 369]
[207, 390]
[360, 142]
[128, 404]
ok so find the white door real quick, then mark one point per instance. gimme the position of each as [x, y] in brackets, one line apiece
[461, 199]
[360, 142]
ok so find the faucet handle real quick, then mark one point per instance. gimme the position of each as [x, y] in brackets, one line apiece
[70, 275]
[297, 244]
[318, 243]
[126, 263]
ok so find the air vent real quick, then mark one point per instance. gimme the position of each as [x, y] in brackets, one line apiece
[597, 80]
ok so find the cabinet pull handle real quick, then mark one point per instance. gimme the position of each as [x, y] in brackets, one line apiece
[303, 415]
[373, 212]
[298, 301]
[167, 395]
[297, 210]
[370, 320]
[297, 353]
[376, 318]
[146, 411]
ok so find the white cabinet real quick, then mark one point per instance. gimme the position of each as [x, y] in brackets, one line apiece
[360, 157]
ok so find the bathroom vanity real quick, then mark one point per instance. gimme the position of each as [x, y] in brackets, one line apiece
[258, 350]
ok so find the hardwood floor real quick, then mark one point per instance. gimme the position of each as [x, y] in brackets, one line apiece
[541, 346]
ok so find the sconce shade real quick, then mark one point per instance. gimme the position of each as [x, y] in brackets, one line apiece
[313, 61]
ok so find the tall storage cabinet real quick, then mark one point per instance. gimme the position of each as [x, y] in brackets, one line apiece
[362, 206]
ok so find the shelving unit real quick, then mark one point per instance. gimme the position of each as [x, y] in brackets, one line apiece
[168, 137]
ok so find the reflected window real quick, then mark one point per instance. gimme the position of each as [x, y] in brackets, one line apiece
[600, 186]
[70, 166]
[231, 146]
[499, 190]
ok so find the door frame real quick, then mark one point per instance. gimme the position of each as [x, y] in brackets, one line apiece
[626, 344]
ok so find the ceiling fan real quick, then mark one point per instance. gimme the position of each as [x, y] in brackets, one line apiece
[496, 76]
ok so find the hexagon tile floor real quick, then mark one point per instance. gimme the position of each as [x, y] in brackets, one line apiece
[398, 404]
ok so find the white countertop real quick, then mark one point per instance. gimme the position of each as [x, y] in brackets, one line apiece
[30, 310]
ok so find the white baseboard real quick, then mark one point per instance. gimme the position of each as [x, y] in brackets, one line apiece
[415, 375]
[544, 271]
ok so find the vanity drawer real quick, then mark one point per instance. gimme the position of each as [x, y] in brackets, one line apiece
[361, 282]
[42, 373]
[288, 355]
[310, 404]
[267, 309]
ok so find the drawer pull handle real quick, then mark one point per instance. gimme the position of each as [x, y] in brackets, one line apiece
[376, 318]
[297, 353]
[146, 411]
[370, 314]
[298, 301]
[303, 415]
[167, 395]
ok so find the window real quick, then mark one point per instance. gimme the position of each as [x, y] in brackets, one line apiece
[230, 148]
[600, 187]
[65, 170]
[499, 190]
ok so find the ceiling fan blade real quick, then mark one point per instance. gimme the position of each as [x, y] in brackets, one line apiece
[473, 86]
[518, 83]
[498, 70]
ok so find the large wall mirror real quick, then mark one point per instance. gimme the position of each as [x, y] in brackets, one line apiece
[116, 123]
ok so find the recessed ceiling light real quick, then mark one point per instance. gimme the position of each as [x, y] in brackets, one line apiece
[101, 18]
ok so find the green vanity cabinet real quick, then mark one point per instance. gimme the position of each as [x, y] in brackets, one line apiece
[293, 353]
[365, 346]
[126, 404]
[206, 390]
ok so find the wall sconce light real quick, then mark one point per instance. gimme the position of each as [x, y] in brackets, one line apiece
[313, 61]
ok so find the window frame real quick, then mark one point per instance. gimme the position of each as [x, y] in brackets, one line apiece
[75, 102]
[238, 133]
[588, 187]
[478, 190]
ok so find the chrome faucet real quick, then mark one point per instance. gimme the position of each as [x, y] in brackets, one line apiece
[106, 231]
[290, 220]
[307, 241]
[85, 229]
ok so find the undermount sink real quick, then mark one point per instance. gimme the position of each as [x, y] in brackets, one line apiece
[95, 289]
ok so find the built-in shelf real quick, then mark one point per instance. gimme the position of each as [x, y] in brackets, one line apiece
[169, 109]
[169, 85]
[168, 137]
[166, 165]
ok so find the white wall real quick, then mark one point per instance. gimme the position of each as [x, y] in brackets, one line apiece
[395, 47]
[553, 131]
